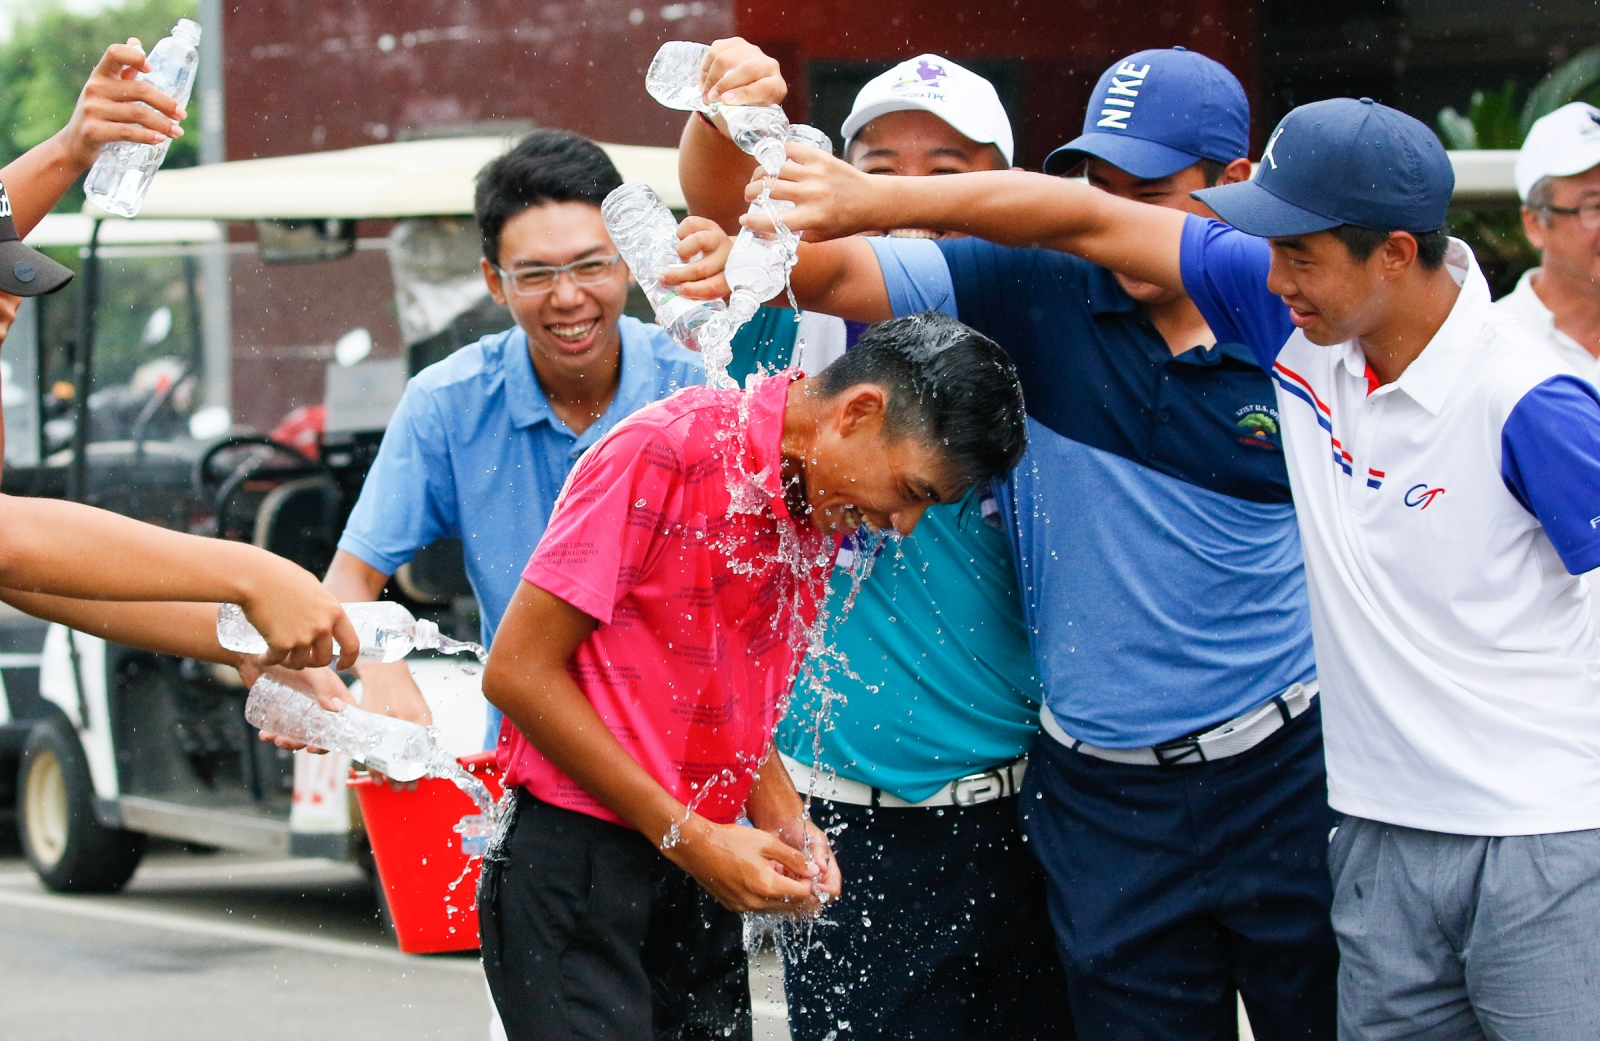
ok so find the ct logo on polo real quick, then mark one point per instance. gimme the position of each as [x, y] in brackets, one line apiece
[1420, 496]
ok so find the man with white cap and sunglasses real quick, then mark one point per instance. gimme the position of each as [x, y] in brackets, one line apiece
[942, 930]
[1558, 179]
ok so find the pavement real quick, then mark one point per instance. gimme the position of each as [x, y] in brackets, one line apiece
[205, 945]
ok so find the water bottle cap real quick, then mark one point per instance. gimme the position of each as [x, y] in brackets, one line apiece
[188, 31]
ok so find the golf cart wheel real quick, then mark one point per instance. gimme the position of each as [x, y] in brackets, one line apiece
[66, 845]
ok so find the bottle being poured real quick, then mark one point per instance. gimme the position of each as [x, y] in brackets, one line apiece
[398, 748]
[645, 234]
[121, 176]
[388, 633]
[758, 267]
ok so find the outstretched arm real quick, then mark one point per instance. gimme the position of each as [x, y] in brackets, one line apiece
[833, 199]
[187, 630]
[109, 109]
[70, 550]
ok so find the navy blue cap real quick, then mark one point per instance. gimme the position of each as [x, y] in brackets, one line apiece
[1156, 112]
[1337, 162]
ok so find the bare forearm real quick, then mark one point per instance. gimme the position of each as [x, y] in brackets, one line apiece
[37, 179]
[187, 630]
[773, 801]
[842, 278]
[71, 550]
[713, 171]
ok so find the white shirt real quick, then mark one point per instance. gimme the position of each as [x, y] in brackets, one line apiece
[1526, 305]
[1458, 658]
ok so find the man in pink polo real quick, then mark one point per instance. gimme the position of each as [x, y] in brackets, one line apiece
[644, 660]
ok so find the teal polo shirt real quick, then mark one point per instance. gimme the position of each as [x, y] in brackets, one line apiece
[947, 684]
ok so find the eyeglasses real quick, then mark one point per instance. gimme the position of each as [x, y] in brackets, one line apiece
[1588, 214]
[537, 281]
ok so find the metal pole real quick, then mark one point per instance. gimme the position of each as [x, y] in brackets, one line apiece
[216, 372]
[83, 370]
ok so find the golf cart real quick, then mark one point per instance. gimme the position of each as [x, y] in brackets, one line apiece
[109, 744]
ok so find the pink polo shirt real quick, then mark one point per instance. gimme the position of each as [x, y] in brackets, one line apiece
[664, 538]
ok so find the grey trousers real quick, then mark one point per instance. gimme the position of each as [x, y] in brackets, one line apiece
[1446, 937]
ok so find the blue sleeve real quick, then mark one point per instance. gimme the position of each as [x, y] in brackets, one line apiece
[1225, 274]
[408, 499]
[916, 275]
[1550, 460]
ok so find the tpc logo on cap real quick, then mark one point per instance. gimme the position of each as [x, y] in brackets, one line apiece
[925, 75]
[1124, 81]
[5, 202]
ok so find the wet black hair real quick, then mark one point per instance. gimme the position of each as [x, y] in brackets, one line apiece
[546, 166]
[1363, 242]
[949, 386]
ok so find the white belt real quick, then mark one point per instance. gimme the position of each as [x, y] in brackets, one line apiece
[1239, 734]
[971, 790]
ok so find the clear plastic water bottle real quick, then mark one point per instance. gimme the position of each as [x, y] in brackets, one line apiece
[398, 748]
[757, 270]
[645, 234]
[388, 632]
[673, 79]
[119, 179]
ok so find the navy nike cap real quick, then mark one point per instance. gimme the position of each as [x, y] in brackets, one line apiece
[1158, 111]
[1337, 162]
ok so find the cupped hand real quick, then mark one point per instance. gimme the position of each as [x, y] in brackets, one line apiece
[704, 248]
[299, 619]
[832, 199]
[803, 834]
[735, 72]
[746, 869]
[115, 106]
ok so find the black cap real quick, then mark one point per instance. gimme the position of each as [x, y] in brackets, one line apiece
[24, 271]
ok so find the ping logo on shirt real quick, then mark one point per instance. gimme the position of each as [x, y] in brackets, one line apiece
[1119, 96]
[1421, 496]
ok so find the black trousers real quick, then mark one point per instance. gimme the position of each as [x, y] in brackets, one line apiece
[588, 932]
[941, 933]
[1174, 888]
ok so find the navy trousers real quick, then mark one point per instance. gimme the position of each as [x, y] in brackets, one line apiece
[941, 933]
[1172, 889]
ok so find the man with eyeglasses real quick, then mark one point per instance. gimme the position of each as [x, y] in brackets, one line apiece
[482, 441]
[1558, 178]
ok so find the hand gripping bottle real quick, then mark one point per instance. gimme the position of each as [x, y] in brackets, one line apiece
[645, 234]
[388, 632]
[119, 179]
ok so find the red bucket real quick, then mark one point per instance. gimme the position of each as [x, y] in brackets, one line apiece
[430, 881]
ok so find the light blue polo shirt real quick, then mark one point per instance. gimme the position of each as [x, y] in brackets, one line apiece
[474, 452]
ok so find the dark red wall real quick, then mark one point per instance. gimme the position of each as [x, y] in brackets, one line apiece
[1062, 45]
[312, 75]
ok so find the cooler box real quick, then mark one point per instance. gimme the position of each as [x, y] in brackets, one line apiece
[429, 845]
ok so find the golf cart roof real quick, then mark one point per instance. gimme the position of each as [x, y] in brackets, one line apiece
[73, 229]
[405, 179]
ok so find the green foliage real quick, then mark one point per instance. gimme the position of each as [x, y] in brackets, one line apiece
[50, 55]
[1493, 120]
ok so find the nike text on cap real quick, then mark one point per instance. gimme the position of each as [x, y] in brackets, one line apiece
[1565, 142]
[1337, 162]
[958, 96]
[25, 271]
[1156, 112]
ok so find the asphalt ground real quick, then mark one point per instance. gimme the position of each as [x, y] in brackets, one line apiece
[210, 945]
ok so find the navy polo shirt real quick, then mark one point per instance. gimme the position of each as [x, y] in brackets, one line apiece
[1151, 520]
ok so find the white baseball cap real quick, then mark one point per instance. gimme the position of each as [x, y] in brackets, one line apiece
[1565, 142]
[958, 96]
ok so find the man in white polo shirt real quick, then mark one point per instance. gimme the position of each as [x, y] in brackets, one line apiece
[1558, 179]
[1446, 474]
